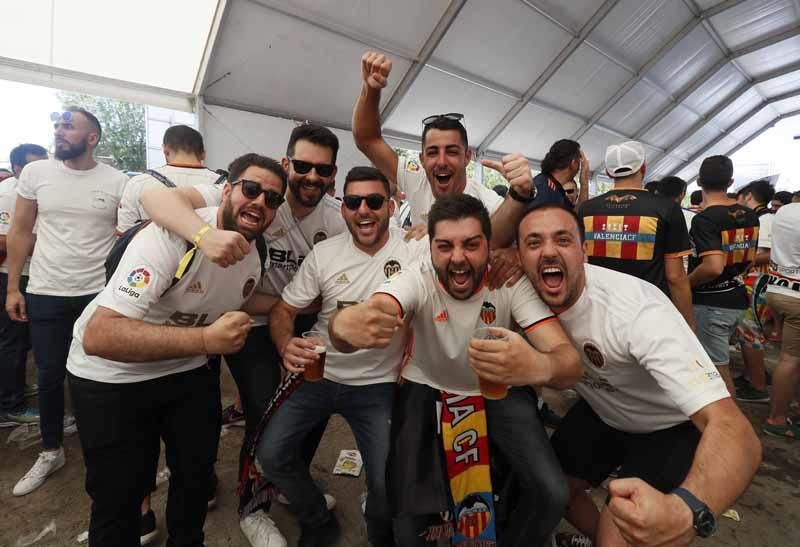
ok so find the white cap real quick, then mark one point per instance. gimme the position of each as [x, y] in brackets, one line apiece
[623, 160]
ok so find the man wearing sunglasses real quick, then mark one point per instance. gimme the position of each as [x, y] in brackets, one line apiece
[139, 363]
[444, 157]
[342, 271]
[73, 201]
[307, 217]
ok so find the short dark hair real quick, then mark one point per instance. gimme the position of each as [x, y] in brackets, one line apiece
[93, 121]
[715, 173]
[651, 186]
[784, 196]
[365, 172]
[446, 124]
[240, 165]
[19, 153]
[761, 189]
[696, 197]
[671, 187]
[315, 134]
[182, 138]
[561, 154]
[547, 206]
[457, 207]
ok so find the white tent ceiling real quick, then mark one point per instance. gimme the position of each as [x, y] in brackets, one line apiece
[688, 78]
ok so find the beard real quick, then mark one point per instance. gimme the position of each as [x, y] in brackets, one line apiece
[72, 151]
[295, 186]
[229, 223]
[459, 293]
[381, 227]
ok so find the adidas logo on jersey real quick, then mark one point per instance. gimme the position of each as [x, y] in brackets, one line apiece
[442, 317]
[195, 287]
[342, 280]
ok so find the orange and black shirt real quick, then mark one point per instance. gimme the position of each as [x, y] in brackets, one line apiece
[730, 231]
[632, 231]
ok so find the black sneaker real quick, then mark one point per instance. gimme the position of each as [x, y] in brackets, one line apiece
[149, 529]
[212, 492]
[748, 394]
[322, 535]
[549, 418]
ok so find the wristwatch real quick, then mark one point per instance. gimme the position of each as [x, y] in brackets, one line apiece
[703, 519]
[523, 199]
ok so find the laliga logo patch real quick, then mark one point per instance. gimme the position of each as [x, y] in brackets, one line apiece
[391, 268]
[320, 236]
[473, 516]
[4, 217]
[139, 278]
[592, 353]
[488, 313]
[249, 285]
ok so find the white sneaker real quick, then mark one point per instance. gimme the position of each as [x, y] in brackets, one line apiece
[46, 464]
[330, 501]
[260, 531]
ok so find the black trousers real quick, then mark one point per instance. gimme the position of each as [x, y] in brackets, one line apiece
[120, 426]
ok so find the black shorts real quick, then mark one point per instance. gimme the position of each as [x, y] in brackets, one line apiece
[590, 449]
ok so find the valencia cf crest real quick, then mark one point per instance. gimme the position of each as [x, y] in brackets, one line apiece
[249, 285]
[593, 354]
[320, 236]
[488, 313]
[391, 267]
[474, 515]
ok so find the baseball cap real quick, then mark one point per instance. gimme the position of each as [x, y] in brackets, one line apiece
[625, 159]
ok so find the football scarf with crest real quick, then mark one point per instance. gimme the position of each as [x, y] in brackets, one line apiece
[466, 449]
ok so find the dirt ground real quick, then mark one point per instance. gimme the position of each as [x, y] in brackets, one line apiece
[769, 509]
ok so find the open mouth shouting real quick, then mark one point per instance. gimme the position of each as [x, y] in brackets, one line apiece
[251, 219]
[551, 279]
[442, 179]
[460, 278]
[366, 228]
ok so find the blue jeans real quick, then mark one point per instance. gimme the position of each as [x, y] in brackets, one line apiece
[52, 319]
[368, 411]
[15, 342]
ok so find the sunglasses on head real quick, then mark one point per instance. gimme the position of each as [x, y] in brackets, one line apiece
[454, 116]
[63, 116]
[251, 190]
[374, 201]
[324, 170]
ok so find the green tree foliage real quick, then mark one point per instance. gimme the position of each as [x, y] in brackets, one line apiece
[123, 142]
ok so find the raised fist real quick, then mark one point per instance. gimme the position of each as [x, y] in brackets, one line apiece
[375, 69]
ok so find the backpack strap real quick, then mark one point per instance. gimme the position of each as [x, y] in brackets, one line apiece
[261, 247]
[223, 176]
[183, 265]
[160, 178]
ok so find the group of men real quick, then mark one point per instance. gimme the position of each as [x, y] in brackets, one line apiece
[245, 267]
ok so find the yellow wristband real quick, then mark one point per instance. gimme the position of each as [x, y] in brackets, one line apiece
[200, 233]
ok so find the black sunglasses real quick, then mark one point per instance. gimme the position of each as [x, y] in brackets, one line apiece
[251, 190]
[570, 191]
[374, 201]
[454, 116]
[324, 170]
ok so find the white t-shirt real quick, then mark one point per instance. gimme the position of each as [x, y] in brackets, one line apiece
[76, 225]
[8, 203]
[442, 325]
[784, 268]
[289, 240]
[343, 275]
[412, 180]
[643, 368]
[131, 211]
[765, 230]
[137, 291]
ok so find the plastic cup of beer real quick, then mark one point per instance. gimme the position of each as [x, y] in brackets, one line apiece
[491, 390]
[316, 370]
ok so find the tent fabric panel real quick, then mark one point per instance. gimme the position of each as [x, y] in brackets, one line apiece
[687, 60]
[749, 21]
[534, 130]
[671, 127]
[635, 108]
